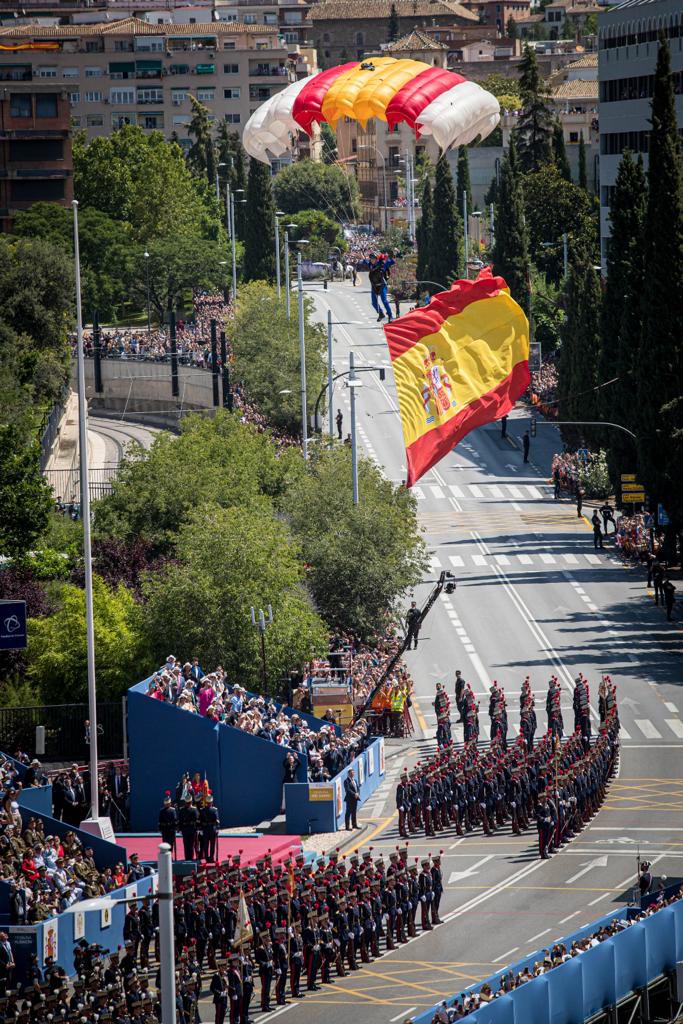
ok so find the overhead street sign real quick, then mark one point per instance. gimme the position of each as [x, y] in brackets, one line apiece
[628, 478]
[632, 487]
[634, 496]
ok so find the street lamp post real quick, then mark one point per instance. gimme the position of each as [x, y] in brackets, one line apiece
[302, 350]
[262, 624]
[278, 214]
[218, 187]
[477, 217]
[166, 935]
[465, 229]
[330, 377]
[149, 323]
[85, 519]
[353, 383]
[288, 296]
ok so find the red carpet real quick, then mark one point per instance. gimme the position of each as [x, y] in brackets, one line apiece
[250, 849]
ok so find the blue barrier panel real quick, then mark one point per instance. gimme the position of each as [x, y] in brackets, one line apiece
[532, 1001]
[98, 921]
[164, 742]
[662, 949]
[566, 993]
[307, 812]
[37, 798]
[599, 985]
[630, 960]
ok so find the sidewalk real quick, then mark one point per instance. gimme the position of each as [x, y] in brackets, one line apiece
[65, 449]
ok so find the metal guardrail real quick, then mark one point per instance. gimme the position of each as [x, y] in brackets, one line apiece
[64, 730]
[65, 483]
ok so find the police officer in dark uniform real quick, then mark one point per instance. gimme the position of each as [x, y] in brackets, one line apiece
[413, 624]
[188, 820]
[168, 822]
[437, 886]
[264, 960]
[210, 824]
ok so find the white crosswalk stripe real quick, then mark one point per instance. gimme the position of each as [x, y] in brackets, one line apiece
[548, 559]
[495, 492]
[502, 559]
[648, 730]
[456, 561]
[455, 491]
[478, 559]
[570, 559]
[593, 559]
[525, 559]
[434, 563]
[514, 491]
[534, 491]
[475, 491]
[419, 493]
[676, 726]
[436, 491]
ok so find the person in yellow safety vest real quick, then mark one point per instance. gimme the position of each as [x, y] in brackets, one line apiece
[398, 699]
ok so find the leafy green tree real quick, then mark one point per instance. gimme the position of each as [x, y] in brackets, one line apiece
[36, 291]
[580, 350]
[176, 265]
[463, 180]
[535, 123]
[324, 234]
[270, 373]
[511, 242]
[328, 141]
[25, 498]
[57, 653]
[201, 156]
[104, 250]
[553, 206]
[423, 233]
[259, 245]
[143, 180]
[547, 312]
[230, 152]
[583, 172]
[228, 561]
[622, 311]
[393, 28]
[307, 185]
[155, 490]
[362, 557]
[446, 260]
[662, 290]
[560, 152]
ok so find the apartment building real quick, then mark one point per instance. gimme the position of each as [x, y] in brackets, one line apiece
[130, 71]
[35, 149]
[627, 55]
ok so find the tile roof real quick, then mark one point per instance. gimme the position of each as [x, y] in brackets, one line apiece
[416, 40]
[577, 89]
[136, 27]
[336, 10]
[589, 60]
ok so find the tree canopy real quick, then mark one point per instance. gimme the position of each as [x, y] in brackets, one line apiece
[306, 185]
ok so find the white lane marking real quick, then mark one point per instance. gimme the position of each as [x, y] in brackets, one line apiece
[592, 607]
[478, 559]
[670, 707]
[456, 876]
[502, 956]
[624, 733]
[570, 559]
[569, 917]
[676, 726]
[598, 898]
[476, 491]
[599, 862]
[534, 491]
[525, 559]
[593, 559]
[436, 491]
[517, 508]
[495, 491]
[403, 1013]
[514, 491]
[648, 729]
[540, 935]
[548, 559]
[502, 559]
[456, 561]
[456, 491]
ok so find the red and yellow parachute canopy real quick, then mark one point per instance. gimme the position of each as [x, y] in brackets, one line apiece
[432, 101]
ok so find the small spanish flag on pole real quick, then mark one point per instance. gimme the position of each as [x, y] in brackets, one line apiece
[459, 362]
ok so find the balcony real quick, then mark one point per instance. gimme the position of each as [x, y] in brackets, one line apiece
[268, 71]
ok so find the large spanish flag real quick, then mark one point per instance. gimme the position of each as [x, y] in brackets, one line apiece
[458, 363]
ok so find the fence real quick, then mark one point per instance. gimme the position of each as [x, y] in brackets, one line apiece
[64, 730]
[66, 483]
[49, 429]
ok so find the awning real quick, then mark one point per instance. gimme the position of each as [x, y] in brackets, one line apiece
[122, 68]
[148, 65]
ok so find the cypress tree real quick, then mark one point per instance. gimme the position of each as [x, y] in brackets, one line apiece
[511, 246]
[560, 153]
[463, 179]
[446, 248]
[583, 171]
[259, 251]
[535, 122]
[201, 156]
[238, 183]
[622, 312]
[424, 234]
[580, 351]
[660, 364]
[394, 26]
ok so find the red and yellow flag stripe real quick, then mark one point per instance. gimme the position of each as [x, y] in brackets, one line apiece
[458, 363]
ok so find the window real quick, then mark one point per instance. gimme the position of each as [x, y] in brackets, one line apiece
[232, 94]
[15, 73]
[120, 97]
[145, 44]
[270, 19]
[75, 122]
[95, 121]
[123, 45]
[178, 97]
[93, 96]
[30, 191]
[573, 136]
[206, 69]
[20, 106]
[34, 151]
[74, 97]
[46, 72]
[181, 119]
[229, 16]
[249, 19]
[229, 45]
[180, 69]
[46, 105]
[93, 46]
[94, 72]
[70, 73]
[232, 118]
[122, 119]
[206, 95]
[152, 121]
[150, 95]
[326, 37]
[294, 18]
[291, 37]
[231, 69]
[360, 39]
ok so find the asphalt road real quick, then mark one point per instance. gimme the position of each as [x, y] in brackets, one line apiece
[109, 438]
[533, 597]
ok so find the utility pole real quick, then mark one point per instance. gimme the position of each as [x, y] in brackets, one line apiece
[287, 286]
[278, 214]
[465, 229]
[353, 383]
[166, 935]
[330, 372]
[302, 357]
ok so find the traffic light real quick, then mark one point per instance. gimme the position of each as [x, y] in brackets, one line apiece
[532, 429]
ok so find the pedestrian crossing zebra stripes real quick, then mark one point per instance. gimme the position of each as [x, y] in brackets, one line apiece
[539, 560]
[498, 492]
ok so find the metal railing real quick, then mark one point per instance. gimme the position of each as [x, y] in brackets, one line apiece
[65, 483]
[65, 730]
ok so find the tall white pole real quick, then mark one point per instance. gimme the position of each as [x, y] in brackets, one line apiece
[228, 222]
[85, 518]
[218, 190]
[492, 226]
[234, 254]
[287, 285]
[277, 257]
[302, 357]
[166, 936]
[465, 232]
[330, 374]
[354, 446]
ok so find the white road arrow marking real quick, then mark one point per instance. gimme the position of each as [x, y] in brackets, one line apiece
[508, 465]
[456, 876]
[629, 702]
[599, 862]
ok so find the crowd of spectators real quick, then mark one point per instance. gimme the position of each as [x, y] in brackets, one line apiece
[543, 389]
[211, 696]
[559, 954]
[632, 537]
